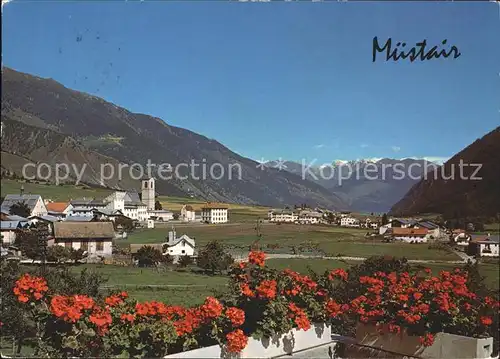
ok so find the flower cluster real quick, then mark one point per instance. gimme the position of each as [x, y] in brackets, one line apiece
[262, 302]
[116, 317]
[30, 288]
[419, 302]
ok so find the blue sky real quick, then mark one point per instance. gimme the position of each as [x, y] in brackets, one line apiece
[270, 80]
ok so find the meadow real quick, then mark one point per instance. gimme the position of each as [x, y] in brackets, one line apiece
[53, 192]
[285, 238]
[189, 287]
[180, 287]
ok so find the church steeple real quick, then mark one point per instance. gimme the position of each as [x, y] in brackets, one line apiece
[148, 193]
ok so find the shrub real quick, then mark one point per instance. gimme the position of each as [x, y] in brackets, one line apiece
[184, 261]
[213, 258]
[148, 256]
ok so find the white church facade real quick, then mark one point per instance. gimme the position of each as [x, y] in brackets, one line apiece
[139, 208]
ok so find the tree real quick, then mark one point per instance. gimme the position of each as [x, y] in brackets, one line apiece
[158, 206]
[127, 224]
[330, 217]
[32, 242]
[184, 261]
[148, 256]
[384, 219]
[213, 258]
[20, 209]
[76, 255]
[176, 216]
[166, 258]
[58, 254]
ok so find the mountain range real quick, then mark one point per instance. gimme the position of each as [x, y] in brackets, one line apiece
[474, 193]
[43, 121]
[364, 185]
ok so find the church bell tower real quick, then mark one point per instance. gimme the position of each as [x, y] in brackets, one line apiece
[148, 193]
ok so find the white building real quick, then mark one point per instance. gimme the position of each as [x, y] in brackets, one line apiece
[187, 214]
[81, 212]
[182, 246]
[460, 237]
[484, 246]
[410, 235]
[310, 217]
[34, 202]
[9, 230]
[214, 213]
[283, 216]
[349, 222]
[161, 215]
[59, 209]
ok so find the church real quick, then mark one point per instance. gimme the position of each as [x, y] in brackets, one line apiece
[128, 203]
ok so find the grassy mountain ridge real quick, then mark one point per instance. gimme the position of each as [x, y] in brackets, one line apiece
[76, 121]
[460, 197]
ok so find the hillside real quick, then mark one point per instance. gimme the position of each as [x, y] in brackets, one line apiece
[372, 186]
[46, 122]
[460, 197]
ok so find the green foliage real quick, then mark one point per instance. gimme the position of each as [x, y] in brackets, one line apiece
[158, 206]
[16, 319]
[184, 261]
[20, 209]
[125, 223]
[148, 256]
[213, 258]
[76, 255]
[384, 219]
[32, 242]
[58, 254]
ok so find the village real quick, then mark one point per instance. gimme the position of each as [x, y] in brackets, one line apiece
[181, 250]
[96, 225]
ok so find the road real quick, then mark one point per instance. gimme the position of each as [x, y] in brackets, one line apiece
[305, 256]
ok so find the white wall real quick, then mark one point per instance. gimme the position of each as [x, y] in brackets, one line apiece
[8, 236]
[181, 249]
[493, 247]
[409, 239]
[39, 209]
[92, 248]
[284, 217]
[214, 215]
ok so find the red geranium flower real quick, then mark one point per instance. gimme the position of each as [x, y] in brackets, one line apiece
[235, 315]
[427, 340]
[267, 289]
[236, 341]
[486, 321]
[257, 258]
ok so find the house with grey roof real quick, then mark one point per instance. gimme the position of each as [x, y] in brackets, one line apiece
[33, 201]
[95, 238]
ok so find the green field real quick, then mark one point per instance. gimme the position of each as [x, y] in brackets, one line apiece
[169, 286]
[332, 241]
[53, 192]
